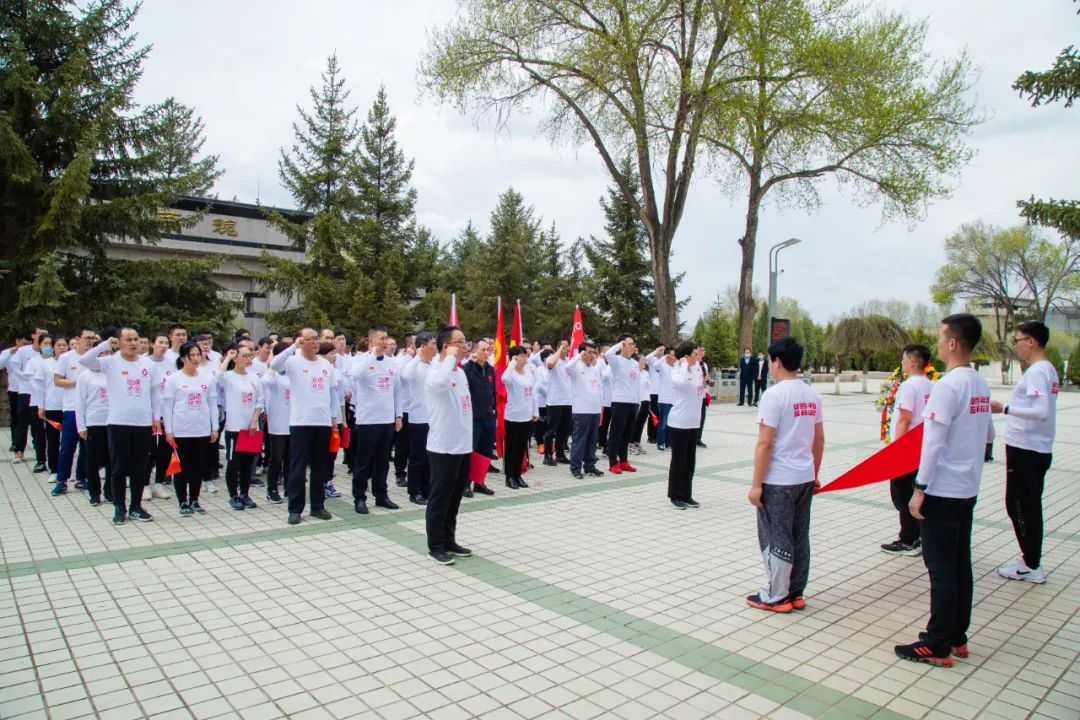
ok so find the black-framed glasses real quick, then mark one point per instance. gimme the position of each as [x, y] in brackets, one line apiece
[1018, 338]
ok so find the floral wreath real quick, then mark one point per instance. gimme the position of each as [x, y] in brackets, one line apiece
[887, 397]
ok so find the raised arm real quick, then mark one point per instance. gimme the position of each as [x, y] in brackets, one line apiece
[280, 360]
[92, 358]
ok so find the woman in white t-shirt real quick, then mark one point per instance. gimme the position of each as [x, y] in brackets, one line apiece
[52, 407]
[683, 421]
[237, 389]
[521, 412]
[189, 414]
[645, 406]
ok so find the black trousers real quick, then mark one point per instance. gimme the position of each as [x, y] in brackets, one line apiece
[97, 459]
[52, 439]
[37, 433]
[746, 390]
[701, 427]
[13, 413]
[605, 424]
[21, 426]
[946, 545]
[372, 459]
[238, 466]
[129, 456]
[683, 445]
[419, 475]
[449, 477]
[640, 420]
[277, 461]
[162, 454]
[517, 443]
[558, 430]
[540, 427]
[350, 452]
[401, 447]
[759, 387]
[1025, 474]
[619, 432]
[308, 449]
[654, 408]
[192, 452]
[901, 489]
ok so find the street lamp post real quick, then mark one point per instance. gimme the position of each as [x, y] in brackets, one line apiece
[774, 265]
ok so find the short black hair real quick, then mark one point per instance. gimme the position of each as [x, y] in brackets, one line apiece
[546, 353]
[376, 328]
[24, 334]
[624, 336]
[204, 331]
[42, 337]
[263, 341]
[586, 346]
[1035, 330]
[173, 328]
[110, 331]
[684, 349]
[921, 353]
[185, 350]
[423, 339]
[788, 351]
[516, 350]
[281, 347]
[325, 348]
[444, 336]
[964, 328]
[84, 328]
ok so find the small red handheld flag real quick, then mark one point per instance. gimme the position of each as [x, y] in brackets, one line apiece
[174, 465]
[55, 425]
[896, 459]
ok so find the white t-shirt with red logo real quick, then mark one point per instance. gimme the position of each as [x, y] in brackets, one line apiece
[310, 385]
[688, 392]
[912, 395]
[625, 385]
[128, 383]
[274, 398]
[793, 409]
[68, 367]
[238, 392]
[586, 386]
[959, 402]
[189, 405]
[376, 393]
[520, 394]
[449, 404]
[1040, 384]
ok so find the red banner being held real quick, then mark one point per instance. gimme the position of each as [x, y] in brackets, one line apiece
[577, 335]
[499, 362]
[896, 459]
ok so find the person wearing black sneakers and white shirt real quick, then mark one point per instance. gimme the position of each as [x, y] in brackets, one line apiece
[92, 424]
[162, 451]
[189, 413]
[449, 444]
[625, 399]
[237, 389]
[521, 412]
[662, 361]
[957, 424]
[911, 398]
[51, 408]
[312, 416]
[586, 389]
[376, 399]
[787, 458]
[67, 378]
[688, 390]
[1030, 423]
[559, 408]
[131, 418]
[35, 386]
[415, 372]
[274, 400]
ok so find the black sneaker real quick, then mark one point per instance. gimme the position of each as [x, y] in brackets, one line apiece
[385, 502]
[236, 503]
[256, 482]
[197, 508]
[40, 468]
[119, 517]
[920, 652]
[899, 548]
[96, 500]
[483, 489]
[548, 460]
[140, 515]
[185, 510]
[521, 483]
[692, 503]
[468, 492]
[441, 557]
[577, 476]
[273, 497]
[492, 470]
[417, 500]
[595, 472]
[458, 551]
[321, 513]
[248, 502]
[562, 460]
[701, 444]
[360, 506]
[679, 504]
[294, 518]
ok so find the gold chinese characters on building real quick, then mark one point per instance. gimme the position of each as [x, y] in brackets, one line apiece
[170, 220]
[225, 227]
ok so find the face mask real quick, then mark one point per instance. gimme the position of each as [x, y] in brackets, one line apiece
[46, 351]
[746, 355]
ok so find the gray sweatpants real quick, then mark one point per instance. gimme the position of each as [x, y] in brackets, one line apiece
[784, 536]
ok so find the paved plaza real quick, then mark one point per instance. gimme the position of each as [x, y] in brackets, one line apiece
[585, 599]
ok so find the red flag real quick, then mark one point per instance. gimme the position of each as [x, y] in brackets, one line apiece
[515, 329]
[577, 336]
[453, 308]
[55, 425]
[499, 362]
[478, 467]
[174, 465]
[892, 461]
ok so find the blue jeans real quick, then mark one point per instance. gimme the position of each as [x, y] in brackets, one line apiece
[661, 429]
[583, 447]
[69, 440]
[483, 437]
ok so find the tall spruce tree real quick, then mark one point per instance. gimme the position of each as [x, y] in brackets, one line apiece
[80, 161]
[621, 285]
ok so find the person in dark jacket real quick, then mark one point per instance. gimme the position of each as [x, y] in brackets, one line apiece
[761, 379]
[748, 370]
[481, 377]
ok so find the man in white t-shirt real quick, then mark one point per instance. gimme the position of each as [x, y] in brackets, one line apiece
[910, 400]
[791, 439]
[957, 423]
[1030, 423]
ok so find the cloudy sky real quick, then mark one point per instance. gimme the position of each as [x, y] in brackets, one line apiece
[245, 64]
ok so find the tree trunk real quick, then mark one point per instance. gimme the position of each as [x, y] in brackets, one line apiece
[664, 291]
[865, 371]
[747, 306]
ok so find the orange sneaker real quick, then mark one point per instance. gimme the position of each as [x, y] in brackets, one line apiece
[627, 467]
[780, 606]
[615, 469]
[798, 602]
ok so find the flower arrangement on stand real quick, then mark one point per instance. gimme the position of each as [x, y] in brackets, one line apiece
[887, 397]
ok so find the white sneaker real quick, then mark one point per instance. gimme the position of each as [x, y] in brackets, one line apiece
[1010, 567]
[160, 491]
[209, 486]
[146, 494]
[1023, 572]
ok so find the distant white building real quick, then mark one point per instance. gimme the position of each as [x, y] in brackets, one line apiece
[237, 231]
